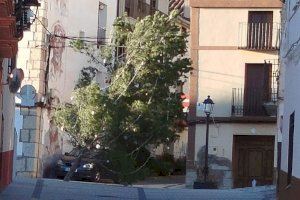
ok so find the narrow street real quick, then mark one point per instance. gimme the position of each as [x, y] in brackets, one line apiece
[50, 189]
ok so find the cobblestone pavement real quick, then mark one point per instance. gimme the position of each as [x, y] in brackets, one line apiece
[50, 189]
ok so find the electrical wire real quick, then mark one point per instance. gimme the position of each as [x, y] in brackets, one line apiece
[68, 37]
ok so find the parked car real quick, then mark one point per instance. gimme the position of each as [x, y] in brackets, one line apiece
[93, 167]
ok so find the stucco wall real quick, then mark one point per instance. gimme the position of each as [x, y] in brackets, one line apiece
[222, 67]
[220, 27]
[222, 70]
[291, 64]
[221, 136]
[220, 147]
[64, 19]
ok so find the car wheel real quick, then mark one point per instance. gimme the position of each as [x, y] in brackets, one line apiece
[97, 177]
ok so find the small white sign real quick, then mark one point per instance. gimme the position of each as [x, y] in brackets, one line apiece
[200, 109]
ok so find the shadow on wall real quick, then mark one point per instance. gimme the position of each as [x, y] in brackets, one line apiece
[220, 169]
[52, 151]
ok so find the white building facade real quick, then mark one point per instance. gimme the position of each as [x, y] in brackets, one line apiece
[288, 120]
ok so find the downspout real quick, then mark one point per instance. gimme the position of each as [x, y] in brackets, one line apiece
[118, 8]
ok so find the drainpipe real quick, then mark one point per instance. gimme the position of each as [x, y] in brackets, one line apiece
[118, 8]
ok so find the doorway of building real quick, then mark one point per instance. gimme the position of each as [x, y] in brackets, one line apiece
[253, 158]
[257, 90]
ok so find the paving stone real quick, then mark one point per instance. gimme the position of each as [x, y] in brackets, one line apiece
[51, 189]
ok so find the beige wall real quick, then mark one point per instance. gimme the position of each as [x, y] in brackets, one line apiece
[220, 27]
[221, 137]
[222, 70]
[180, 146]
[221, 64]
[221, 67]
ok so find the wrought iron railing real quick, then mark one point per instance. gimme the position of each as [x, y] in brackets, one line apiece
[254, 101]
[259, 36]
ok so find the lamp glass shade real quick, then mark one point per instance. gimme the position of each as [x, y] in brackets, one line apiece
[208, 105]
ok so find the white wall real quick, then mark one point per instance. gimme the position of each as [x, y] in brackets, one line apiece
[291, 78]
[71, 19]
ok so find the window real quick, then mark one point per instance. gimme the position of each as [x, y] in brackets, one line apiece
[291, 146]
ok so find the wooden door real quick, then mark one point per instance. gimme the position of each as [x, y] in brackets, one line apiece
[253, 158]
[260, 26]
[257, 89]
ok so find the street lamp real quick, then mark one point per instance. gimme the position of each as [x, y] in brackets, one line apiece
[208, 108]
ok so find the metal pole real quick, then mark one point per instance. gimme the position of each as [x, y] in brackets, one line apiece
[206, 149]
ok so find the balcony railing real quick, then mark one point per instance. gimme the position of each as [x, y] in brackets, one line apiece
[259, 36]
[258, 101]
[253, 102]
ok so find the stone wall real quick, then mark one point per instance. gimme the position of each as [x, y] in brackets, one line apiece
[29, 164]
[32, 58]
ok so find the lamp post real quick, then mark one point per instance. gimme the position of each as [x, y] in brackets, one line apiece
[208, 108]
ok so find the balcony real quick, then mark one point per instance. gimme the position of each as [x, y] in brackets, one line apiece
[254, 99]
[259, 36]
[253, 102]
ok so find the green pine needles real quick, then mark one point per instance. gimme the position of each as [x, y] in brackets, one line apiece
[139, 109]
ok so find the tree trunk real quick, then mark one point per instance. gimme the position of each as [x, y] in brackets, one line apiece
[74, 166]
